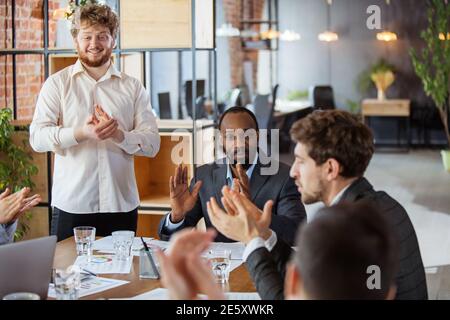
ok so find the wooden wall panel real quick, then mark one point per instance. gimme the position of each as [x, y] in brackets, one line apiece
[38, 223]
[165, 24]
[132, 65]
[148, 222]
[40, 160]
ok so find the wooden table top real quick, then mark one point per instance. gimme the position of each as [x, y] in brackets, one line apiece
[65, 255]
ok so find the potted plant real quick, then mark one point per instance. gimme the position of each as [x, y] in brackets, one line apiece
[432, 64]
[16, 167]
[382, 74]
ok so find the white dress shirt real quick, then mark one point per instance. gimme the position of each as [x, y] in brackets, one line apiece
[259, 242]
[93, 176]
[338, 197]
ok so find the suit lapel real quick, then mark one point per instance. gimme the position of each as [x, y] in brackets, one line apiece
[257, 181]
[219, 180]
[357, 189]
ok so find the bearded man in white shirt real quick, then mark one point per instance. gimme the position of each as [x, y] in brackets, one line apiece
[94, 118]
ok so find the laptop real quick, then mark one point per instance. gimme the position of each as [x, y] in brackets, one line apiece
[26, 266]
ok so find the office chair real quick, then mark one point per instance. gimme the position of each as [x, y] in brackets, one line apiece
[323, 98]
[200, 111]
[263, 110]
[235, 98]
[165, 111]
[274, 95]
[200, 91]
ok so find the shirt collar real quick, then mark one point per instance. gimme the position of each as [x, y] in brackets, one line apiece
[338, 197]
[77, 68]
[112, 70]
[249, 171]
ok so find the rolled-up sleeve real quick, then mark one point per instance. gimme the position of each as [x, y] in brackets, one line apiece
[144, 139]
[45, 133]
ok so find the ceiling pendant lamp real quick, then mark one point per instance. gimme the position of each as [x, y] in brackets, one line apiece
[227, 30]
[328, 35]
[290, 35]
[444, 37]
[386, 35]
[269, 34]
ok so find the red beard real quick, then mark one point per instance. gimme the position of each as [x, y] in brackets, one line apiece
[95, 63]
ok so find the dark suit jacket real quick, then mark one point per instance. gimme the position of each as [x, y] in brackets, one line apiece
[267, 269]
[288, 210]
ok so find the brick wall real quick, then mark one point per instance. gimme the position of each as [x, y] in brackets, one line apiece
[29, 68]
[234, 12]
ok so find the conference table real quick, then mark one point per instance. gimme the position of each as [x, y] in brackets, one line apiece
[65, 256]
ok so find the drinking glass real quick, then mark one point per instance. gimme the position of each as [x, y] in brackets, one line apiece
[122, 243]
[84, 239]
[221, 264]
[67, 283]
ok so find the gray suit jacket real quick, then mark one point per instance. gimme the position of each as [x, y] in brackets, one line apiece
[288, 210]
[267, 269]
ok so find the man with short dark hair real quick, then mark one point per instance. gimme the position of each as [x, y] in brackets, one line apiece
[332, 152]
[347, 252]
[241, 169]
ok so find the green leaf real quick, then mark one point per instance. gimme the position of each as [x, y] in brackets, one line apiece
[432, 64]
[16, 165]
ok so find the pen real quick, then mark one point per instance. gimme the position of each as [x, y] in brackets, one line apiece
[90, 272]
[147, 251]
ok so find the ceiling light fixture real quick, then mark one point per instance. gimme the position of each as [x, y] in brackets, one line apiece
[386, 35]
[227, 30]
[328, 35]
[289, 35]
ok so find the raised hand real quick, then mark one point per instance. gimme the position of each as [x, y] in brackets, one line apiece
[242, 220]
[183, 271]
[12, 206]
[242, 183]
[181, 198]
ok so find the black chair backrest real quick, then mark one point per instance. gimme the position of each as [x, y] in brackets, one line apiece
[323, 98]
[274, 94]
[200, 111]
[164, 105]
[263, 110]
[188, 93]
[235, 98]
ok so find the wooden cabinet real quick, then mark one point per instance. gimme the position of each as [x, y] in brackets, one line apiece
[58, 62]
[130, 63]
[398, 108]
[386, 108]
[152, 174]
[166, 24]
